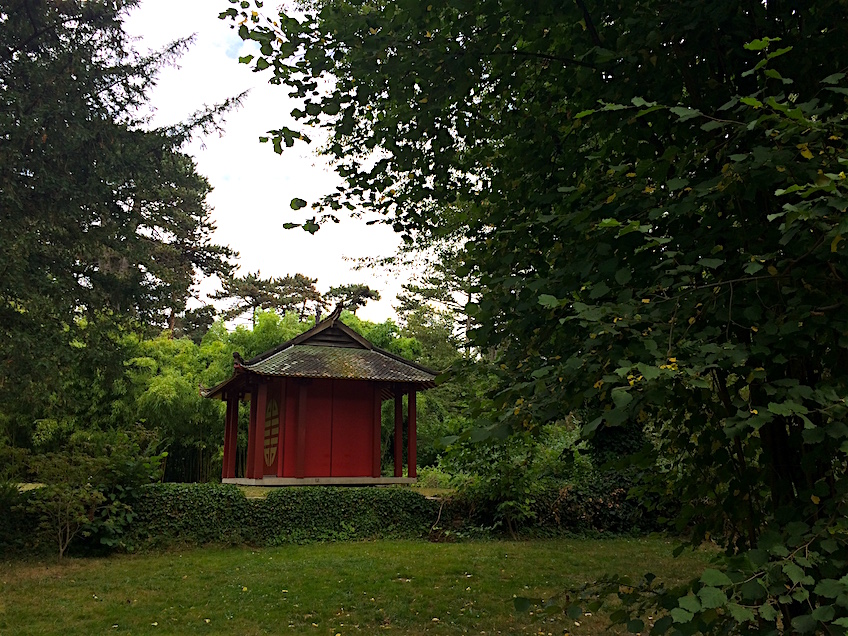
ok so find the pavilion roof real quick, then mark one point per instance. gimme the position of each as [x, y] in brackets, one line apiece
[330, 350]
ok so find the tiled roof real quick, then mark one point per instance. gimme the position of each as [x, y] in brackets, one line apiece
[332, 350]
[311, 361]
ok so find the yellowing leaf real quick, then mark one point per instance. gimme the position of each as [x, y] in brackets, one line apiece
[422, 101]
[610, 198]
[772, 270]
[814, 499]
[646, 300]
[805, 151]
[649, 189]
[834, 244]
[630, 174]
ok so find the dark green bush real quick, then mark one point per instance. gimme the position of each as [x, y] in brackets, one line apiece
[597, 502]
[16, 524]
[198, 514]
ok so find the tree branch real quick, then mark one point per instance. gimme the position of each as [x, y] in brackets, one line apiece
[590, 25]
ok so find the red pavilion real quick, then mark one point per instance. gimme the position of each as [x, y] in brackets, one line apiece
[315, 405]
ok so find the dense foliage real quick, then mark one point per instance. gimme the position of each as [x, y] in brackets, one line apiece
[198, 514]
[654, 196]
[104, 220]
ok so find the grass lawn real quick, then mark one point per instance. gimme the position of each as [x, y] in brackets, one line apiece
[395, 587]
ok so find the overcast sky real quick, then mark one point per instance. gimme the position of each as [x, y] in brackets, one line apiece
[252, 185]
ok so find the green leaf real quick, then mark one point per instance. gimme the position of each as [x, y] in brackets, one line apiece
[824, 613]
[804, 624]
[833, 79]
[794, 572]
[297, 204]
[684, 113]
[575, 612]
[759, 45]
[677, 183]
[623, 276]
[712, 597]
[779, 52]
[740, 614]
[830, 588]
[245, 59]
[711, 263]
[649, 372]
[768, 612]
[621, 397]
[787, 408]
[635, 626]
[599, 290]
[715, 578]
[752, 590]
[681, 615]
[546, 300]
[606, 223]
[751, 101]
[262, 64]
[689, 603]
[638, 102]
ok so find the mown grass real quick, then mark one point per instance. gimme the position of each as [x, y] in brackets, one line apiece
[397, 587]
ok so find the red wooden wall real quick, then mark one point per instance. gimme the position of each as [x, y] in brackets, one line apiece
[338, 418]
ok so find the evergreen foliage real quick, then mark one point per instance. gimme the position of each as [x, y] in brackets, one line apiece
[104, 220]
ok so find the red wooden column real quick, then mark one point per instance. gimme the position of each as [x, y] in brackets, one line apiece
[300, 425]
[377, 429]
[281, 443]
[259, 432]
[228, 469]
[398, 431]
[251, 436]
[412, 423]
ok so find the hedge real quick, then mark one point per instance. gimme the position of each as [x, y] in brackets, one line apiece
[198, 514]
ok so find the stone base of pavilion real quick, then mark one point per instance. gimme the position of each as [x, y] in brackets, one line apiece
[320, 481]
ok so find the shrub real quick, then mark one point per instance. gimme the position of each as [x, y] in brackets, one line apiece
[198, 514]
[596, 503]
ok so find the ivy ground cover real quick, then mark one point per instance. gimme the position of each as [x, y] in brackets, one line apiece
[398, 587]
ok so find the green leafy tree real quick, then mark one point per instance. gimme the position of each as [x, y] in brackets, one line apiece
[104, 222]
[91, 484]
[654, 195]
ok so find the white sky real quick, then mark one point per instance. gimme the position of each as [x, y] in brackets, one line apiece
[252, 185]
